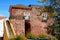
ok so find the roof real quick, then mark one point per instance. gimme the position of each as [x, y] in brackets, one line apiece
[20, 6]
[2, 17]
[36, 6]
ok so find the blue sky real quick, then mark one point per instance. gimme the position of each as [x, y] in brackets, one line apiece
[5, 4]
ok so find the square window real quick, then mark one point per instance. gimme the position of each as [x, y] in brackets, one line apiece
[44, 16]
[26, 15]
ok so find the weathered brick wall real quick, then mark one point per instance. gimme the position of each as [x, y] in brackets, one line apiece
[17, 21]
[37, 26]
[18, 26]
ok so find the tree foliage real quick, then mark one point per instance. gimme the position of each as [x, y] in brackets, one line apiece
[55, 4]
[42, 0]
[49, 9]
[52, 2]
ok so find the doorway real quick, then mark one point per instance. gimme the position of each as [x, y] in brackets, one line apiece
[27, 27]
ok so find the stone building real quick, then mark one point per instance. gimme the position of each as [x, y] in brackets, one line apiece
[29, 19]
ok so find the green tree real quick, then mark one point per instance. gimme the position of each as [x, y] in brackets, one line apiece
[55, 4]
[52, 2]
[48, 8]
[42, 1]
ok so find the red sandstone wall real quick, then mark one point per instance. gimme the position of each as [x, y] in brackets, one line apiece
[18, 26]
[17, 21]
[37, 26]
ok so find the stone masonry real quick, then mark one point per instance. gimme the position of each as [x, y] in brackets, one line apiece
[36, 25]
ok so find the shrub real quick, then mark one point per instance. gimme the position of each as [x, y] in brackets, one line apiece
[11, 39]
[30, 36]
[42, 36]
[19, 37]
[52, 37]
